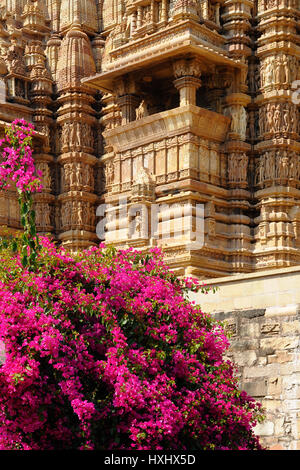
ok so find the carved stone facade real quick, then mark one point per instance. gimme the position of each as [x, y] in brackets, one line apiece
[187, 110]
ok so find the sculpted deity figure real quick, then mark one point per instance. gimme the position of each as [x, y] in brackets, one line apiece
[293, 68]
[286, 68]
[78, 169]
[252, 77]
[80, 213]
[277, 163]
[235, 120]
[109, 173]
[285, 118]
[270, 118]
[251, 125]
[269, 166]
[284, 165]
[293, 166]
[65, 177]
[237, 167]
[57, 219]
[46, 215]
[232, 167]
[278, 72]
[86, 175]
[242, 122]
[293, 118]
[43, 167]
[261, 120]
[72, 174]
[38, 215]
[269, 73]
[276, 118]
[260, 170]
[65, 136]
[243, 167]
[92, 215]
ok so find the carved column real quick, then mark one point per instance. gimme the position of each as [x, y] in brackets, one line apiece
[164, 11]
[126, 93]
[40, 94]
[35, 24]
[187, 74]
[76, 118]
[277, 164]
[128, 105]
[236, 24]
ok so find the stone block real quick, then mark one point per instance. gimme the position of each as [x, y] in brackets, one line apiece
[269, 370]
[246, 358]
[270, 328]
[291, 327]
[256, 388]
[271, 404]
[276, 446]
[281, 343]
[279, 358]
[274, 385]
[264, 429]
[249, 329]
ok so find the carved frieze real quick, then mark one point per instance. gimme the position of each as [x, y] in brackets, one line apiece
[237, 168]
[277, 166]
[77, 214]
[77, 175]
[76, 135]
[279, 118]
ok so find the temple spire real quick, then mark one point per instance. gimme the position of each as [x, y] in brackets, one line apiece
[80, 12]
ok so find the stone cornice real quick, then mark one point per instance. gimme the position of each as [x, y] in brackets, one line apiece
[186, 38]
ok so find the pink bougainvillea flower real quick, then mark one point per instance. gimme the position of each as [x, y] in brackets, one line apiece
[103, 351]
[17, 163]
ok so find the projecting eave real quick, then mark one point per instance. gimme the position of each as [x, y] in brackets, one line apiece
[154, 54]
[105, 81]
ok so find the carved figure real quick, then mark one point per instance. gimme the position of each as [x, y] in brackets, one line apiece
[142, 110]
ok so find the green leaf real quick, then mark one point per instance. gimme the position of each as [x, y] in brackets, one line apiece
[25, 261]
[33, 230]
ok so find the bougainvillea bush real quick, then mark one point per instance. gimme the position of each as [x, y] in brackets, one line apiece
[103, 350]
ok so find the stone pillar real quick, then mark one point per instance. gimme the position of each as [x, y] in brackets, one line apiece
[277, 147]
[187, 73]
[126, 92]
[127, 104]
[164, 11]
[139, 17]
[76, 118]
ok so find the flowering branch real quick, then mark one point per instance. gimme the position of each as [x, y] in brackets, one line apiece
[18, 167]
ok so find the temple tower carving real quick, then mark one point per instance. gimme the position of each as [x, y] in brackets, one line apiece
[200, 95]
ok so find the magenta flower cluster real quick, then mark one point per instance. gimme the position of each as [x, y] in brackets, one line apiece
[104, 351]
[17, 163]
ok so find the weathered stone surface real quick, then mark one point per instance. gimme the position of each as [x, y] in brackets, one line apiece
[257, 388]
[196, 125]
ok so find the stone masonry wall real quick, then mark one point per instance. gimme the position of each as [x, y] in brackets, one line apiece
[262, 314]
[266, 352]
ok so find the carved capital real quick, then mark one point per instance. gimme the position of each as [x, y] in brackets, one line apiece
[125, 86]
[187, 68]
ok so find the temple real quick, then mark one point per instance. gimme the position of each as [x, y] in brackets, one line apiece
[200, 96]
